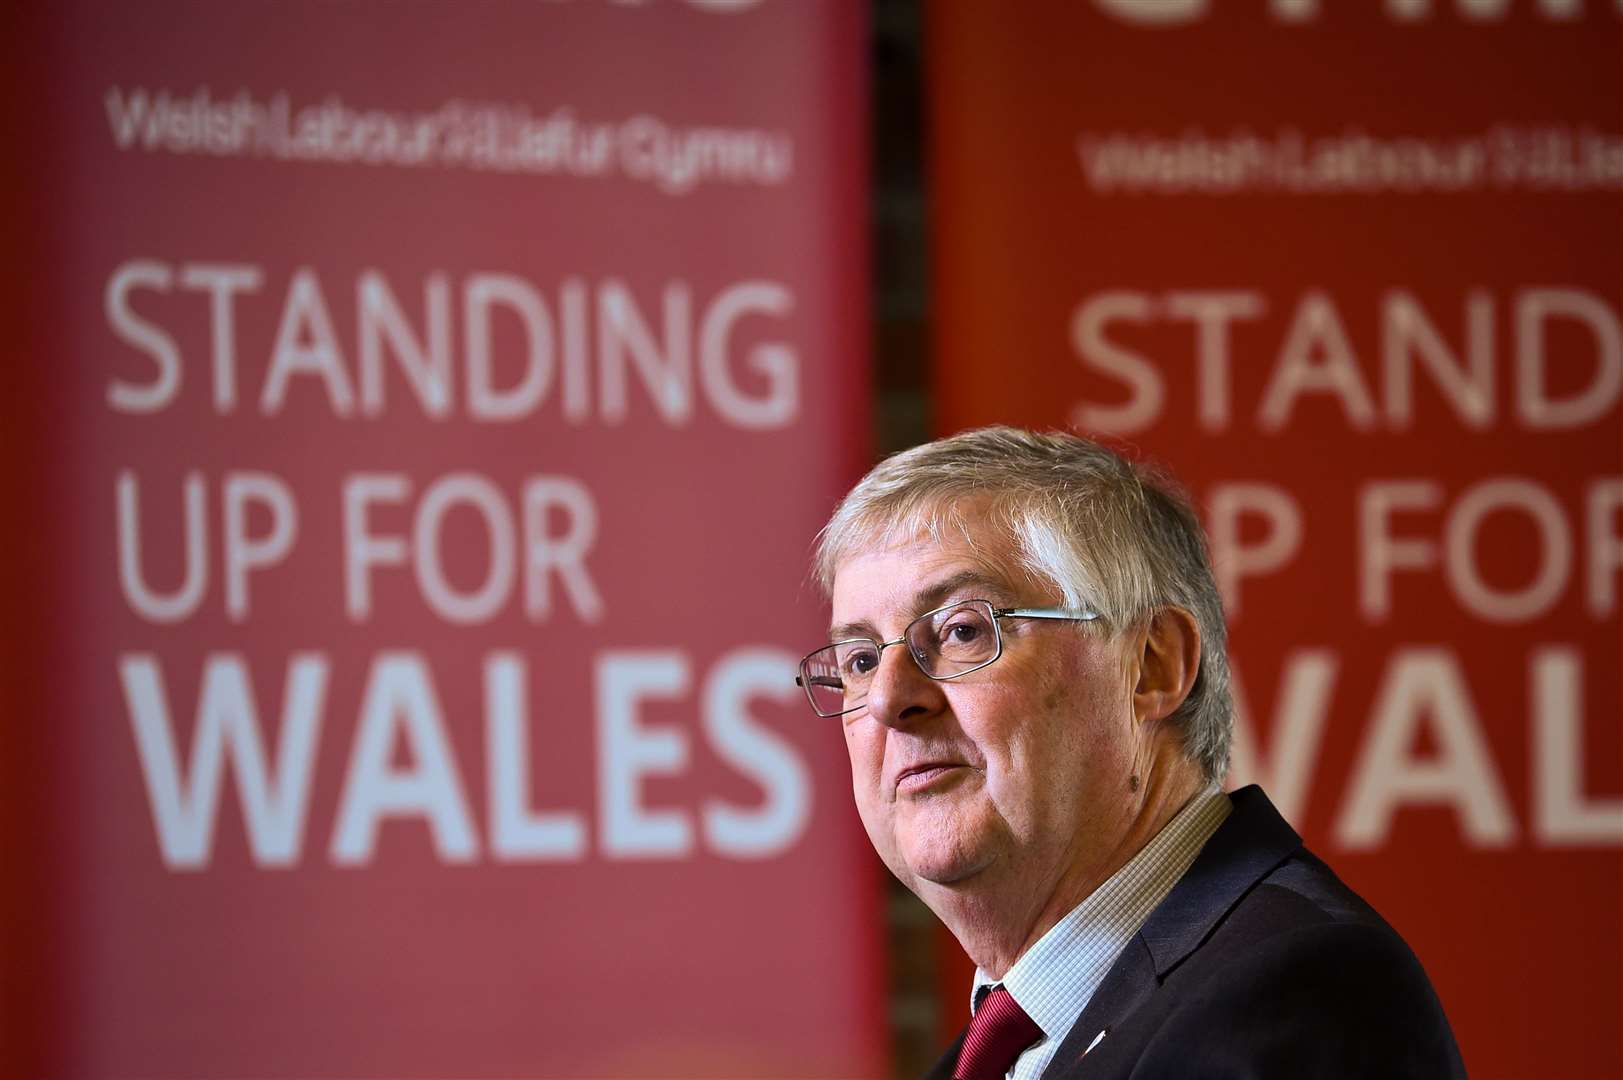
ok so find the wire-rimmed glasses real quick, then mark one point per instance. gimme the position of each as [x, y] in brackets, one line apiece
[945, 643]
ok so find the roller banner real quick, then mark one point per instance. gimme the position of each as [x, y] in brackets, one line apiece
[1353, 272]
[432, 408]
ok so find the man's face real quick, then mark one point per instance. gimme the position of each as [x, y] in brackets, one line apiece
[1021, 768]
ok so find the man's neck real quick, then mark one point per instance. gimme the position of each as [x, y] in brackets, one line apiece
[998, 919]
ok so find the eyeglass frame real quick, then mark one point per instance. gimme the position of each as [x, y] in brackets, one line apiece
[1066, 614]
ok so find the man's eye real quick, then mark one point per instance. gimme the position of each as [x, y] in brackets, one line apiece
[860, 663]
[961, 633]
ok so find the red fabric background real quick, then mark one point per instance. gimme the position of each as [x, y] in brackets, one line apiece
[1521, 937]
[410, 964]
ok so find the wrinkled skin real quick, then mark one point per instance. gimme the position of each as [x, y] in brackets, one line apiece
[1002, 798]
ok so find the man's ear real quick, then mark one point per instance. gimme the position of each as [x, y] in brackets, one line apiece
[1168, 665]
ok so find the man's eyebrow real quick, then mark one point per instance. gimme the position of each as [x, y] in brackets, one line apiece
[852, 630]
[987, 587]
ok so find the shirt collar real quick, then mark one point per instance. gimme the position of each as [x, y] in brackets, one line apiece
[1055, 978]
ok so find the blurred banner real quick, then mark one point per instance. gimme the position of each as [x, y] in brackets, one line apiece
[434, 409]
[1354, 272]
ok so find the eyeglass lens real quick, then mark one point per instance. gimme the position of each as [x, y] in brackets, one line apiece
[944, 643]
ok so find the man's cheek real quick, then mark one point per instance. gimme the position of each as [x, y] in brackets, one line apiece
[860, 753]
[879, 824]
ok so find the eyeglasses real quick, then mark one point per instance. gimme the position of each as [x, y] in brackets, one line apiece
[946, 643]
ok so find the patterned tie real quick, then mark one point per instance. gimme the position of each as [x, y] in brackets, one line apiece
[999, 1032]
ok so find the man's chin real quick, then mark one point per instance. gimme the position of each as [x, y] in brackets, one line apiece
[953, 866]
[948, 877]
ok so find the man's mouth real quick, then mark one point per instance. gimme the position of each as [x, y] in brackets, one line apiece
[916, 778]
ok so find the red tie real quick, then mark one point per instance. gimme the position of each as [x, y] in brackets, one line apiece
[999, 1032]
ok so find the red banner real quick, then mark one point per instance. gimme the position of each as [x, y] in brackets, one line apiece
[1352, 271]
[442, 400]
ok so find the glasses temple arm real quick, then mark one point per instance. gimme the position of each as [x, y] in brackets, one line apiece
[1074, 614]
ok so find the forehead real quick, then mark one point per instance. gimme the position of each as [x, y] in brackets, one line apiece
[905, 577]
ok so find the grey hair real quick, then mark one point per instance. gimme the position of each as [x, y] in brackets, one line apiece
[1110, 534]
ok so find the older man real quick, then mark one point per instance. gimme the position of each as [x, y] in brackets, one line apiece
[1027, 655]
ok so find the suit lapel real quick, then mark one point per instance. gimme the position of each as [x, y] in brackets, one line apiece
[1253, 841]
[1129, 981]
[1250, 843]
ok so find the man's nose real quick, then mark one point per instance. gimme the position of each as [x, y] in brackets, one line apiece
[901, 693]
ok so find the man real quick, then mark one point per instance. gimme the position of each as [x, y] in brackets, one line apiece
[1027, 655]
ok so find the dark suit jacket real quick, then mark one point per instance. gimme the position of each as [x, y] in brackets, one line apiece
[1259, 963]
